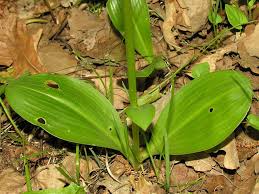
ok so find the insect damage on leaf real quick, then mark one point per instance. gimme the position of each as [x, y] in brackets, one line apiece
[52, 84]
[41, 120]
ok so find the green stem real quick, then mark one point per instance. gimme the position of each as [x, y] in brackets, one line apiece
[130, 55]
[12, 122]
[77, 164]
[150, 155]
[167, 145]
[27, 173]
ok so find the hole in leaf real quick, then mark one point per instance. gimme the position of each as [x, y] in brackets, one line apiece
[211, 109]
[41, 120]
[52, 84]
[110, 129]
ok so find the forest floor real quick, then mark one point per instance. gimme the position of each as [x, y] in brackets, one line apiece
[80, 41]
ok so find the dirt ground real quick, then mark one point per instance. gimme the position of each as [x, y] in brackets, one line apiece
[59, 37]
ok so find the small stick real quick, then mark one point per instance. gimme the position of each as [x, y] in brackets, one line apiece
[51, 12]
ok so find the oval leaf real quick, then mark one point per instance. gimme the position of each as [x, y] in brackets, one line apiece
[214, 17]
[206, 111]
[235, 16]
[140, 19]
[67, 108]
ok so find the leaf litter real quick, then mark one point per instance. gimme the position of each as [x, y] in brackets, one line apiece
[86, 46]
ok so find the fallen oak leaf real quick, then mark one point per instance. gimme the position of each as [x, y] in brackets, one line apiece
[18, 47]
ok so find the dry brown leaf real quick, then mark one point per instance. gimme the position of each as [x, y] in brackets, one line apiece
[212, 59]
[119, 166]
[142, 186]
[56, 59]
[112, 186]
[184, 15]
[256, 187]
[47, 177]
[231, 160]
[19, 46]
[251, 42]
[247, 176]
[180, 59]
[202, 162]
[254, 80]
[193, 15]
[93, 36]
[169, 22]
[181, 175]
[11, 182]
[248, 50]
[86, 166]
[30, 9]
[217, 184]
[246, 146]
[255, 108]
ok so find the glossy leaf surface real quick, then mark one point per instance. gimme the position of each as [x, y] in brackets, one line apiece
[206, 111]
[142, 32]
[67, 108]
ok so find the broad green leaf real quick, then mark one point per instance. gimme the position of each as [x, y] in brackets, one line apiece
[67, 108]
[140, 19]
[235, 16]
[214, 18]
[71, 189]
[141, 115]
[253, 121]
[250, 4]
[206, 111]
[200, 69]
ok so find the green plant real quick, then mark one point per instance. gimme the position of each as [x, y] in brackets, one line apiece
[235, 16]
[250, 5]
[214, 17]
[200, 116]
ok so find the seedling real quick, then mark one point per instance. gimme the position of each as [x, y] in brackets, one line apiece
[250, 5]
[214, 17]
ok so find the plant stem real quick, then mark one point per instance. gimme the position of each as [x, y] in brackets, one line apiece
[130, 55]
[27, 173]
[77, 164]
[167, 145]
[25, 160]
[12, 122]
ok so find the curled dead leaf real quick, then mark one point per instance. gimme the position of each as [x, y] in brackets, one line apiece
[19, 47]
